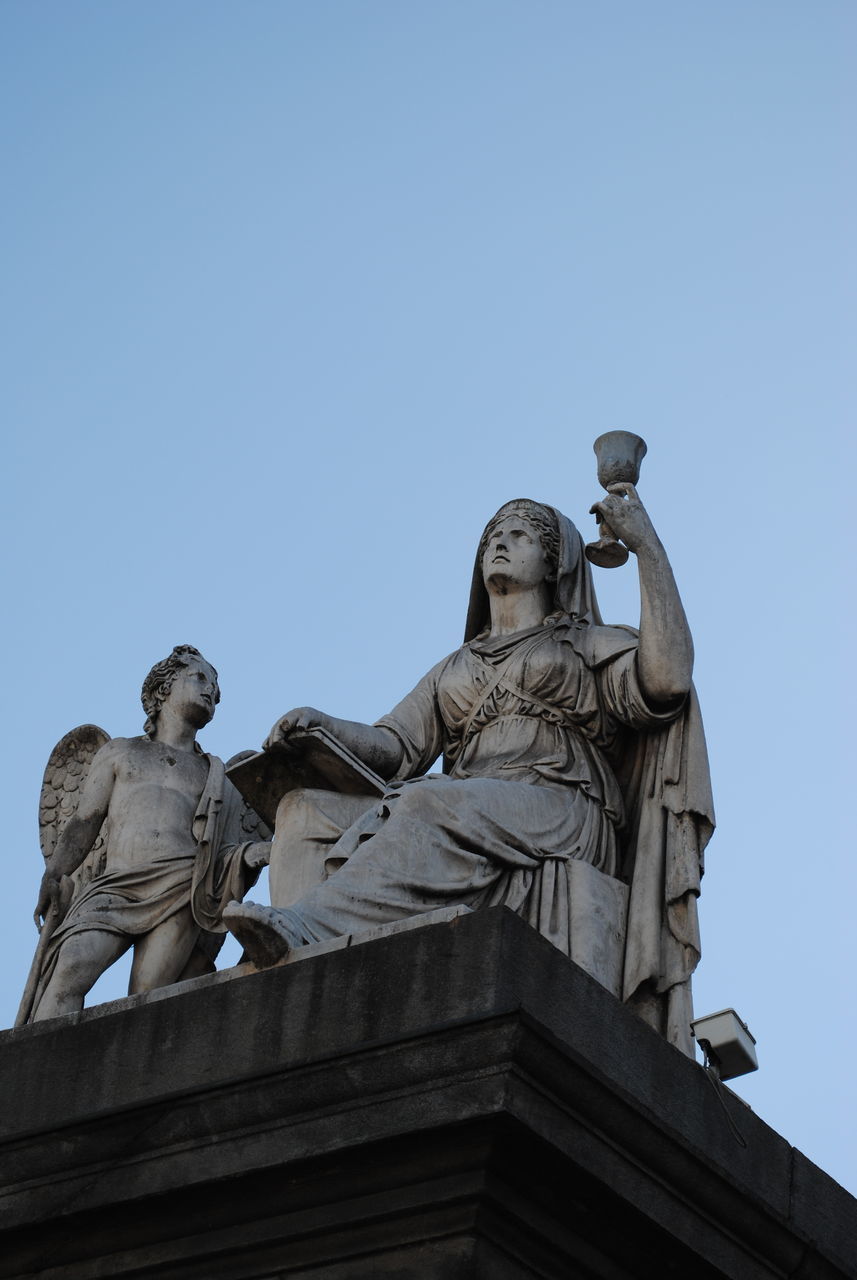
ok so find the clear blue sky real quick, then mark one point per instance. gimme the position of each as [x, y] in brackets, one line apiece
[296, 294]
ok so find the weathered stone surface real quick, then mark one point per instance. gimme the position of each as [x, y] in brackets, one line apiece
[457, 1100]
[144, 841]
[565, 742]
[619, 455]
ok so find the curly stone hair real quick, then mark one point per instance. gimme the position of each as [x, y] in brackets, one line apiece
[542, 519]
[160, 679]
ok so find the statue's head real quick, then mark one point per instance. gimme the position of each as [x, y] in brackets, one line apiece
[160, 680]
[565, 569]
[536, 519]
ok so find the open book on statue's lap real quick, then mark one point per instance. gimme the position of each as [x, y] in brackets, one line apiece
[313, 758]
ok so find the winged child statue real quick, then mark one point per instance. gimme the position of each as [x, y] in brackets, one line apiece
[145, 841]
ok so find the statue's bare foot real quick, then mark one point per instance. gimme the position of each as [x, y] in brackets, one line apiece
[262, 931]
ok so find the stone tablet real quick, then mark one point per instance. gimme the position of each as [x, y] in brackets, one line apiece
[316, 760]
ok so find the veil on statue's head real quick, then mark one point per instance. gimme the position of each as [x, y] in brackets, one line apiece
[573, 591]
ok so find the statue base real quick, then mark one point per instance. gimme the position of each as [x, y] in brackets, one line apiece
[456, 1100]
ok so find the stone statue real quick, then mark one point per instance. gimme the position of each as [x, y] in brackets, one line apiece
[575, 787]
[145, 840]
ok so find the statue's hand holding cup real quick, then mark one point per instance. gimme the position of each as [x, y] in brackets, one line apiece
[619, 455]
[627, 518]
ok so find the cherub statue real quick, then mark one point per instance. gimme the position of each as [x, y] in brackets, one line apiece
[145, 841]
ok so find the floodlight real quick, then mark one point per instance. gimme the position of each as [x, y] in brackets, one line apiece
[727, 1042]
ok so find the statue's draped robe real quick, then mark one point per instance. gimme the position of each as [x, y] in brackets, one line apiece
[528, 725]
[210, 874]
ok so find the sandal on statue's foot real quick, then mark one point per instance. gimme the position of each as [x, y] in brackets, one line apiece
[262, 931]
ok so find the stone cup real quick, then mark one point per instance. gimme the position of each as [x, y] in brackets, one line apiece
[619, 455]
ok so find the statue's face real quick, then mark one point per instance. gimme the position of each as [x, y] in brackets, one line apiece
[513, 556]
[192, 693]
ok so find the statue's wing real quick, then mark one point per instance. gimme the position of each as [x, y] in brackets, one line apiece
[252, 826]
[65, 774]
[62, 785]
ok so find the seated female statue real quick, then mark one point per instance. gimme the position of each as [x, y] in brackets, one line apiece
[563, 740]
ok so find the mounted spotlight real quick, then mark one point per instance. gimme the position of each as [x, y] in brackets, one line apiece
[727, 1043]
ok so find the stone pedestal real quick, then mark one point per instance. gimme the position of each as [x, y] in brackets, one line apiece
[458, 1100]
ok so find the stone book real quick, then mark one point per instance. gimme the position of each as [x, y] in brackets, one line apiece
[317, 759]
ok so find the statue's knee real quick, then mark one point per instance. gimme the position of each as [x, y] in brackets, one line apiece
[424, 800]
[72, 970]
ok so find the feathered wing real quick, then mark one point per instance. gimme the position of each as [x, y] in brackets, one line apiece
[66, 771]
[62, 786]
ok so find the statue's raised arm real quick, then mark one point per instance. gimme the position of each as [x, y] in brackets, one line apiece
[575, 784]
[665, 652]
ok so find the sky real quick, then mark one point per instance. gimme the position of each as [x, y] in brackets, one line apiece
[296, 295]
